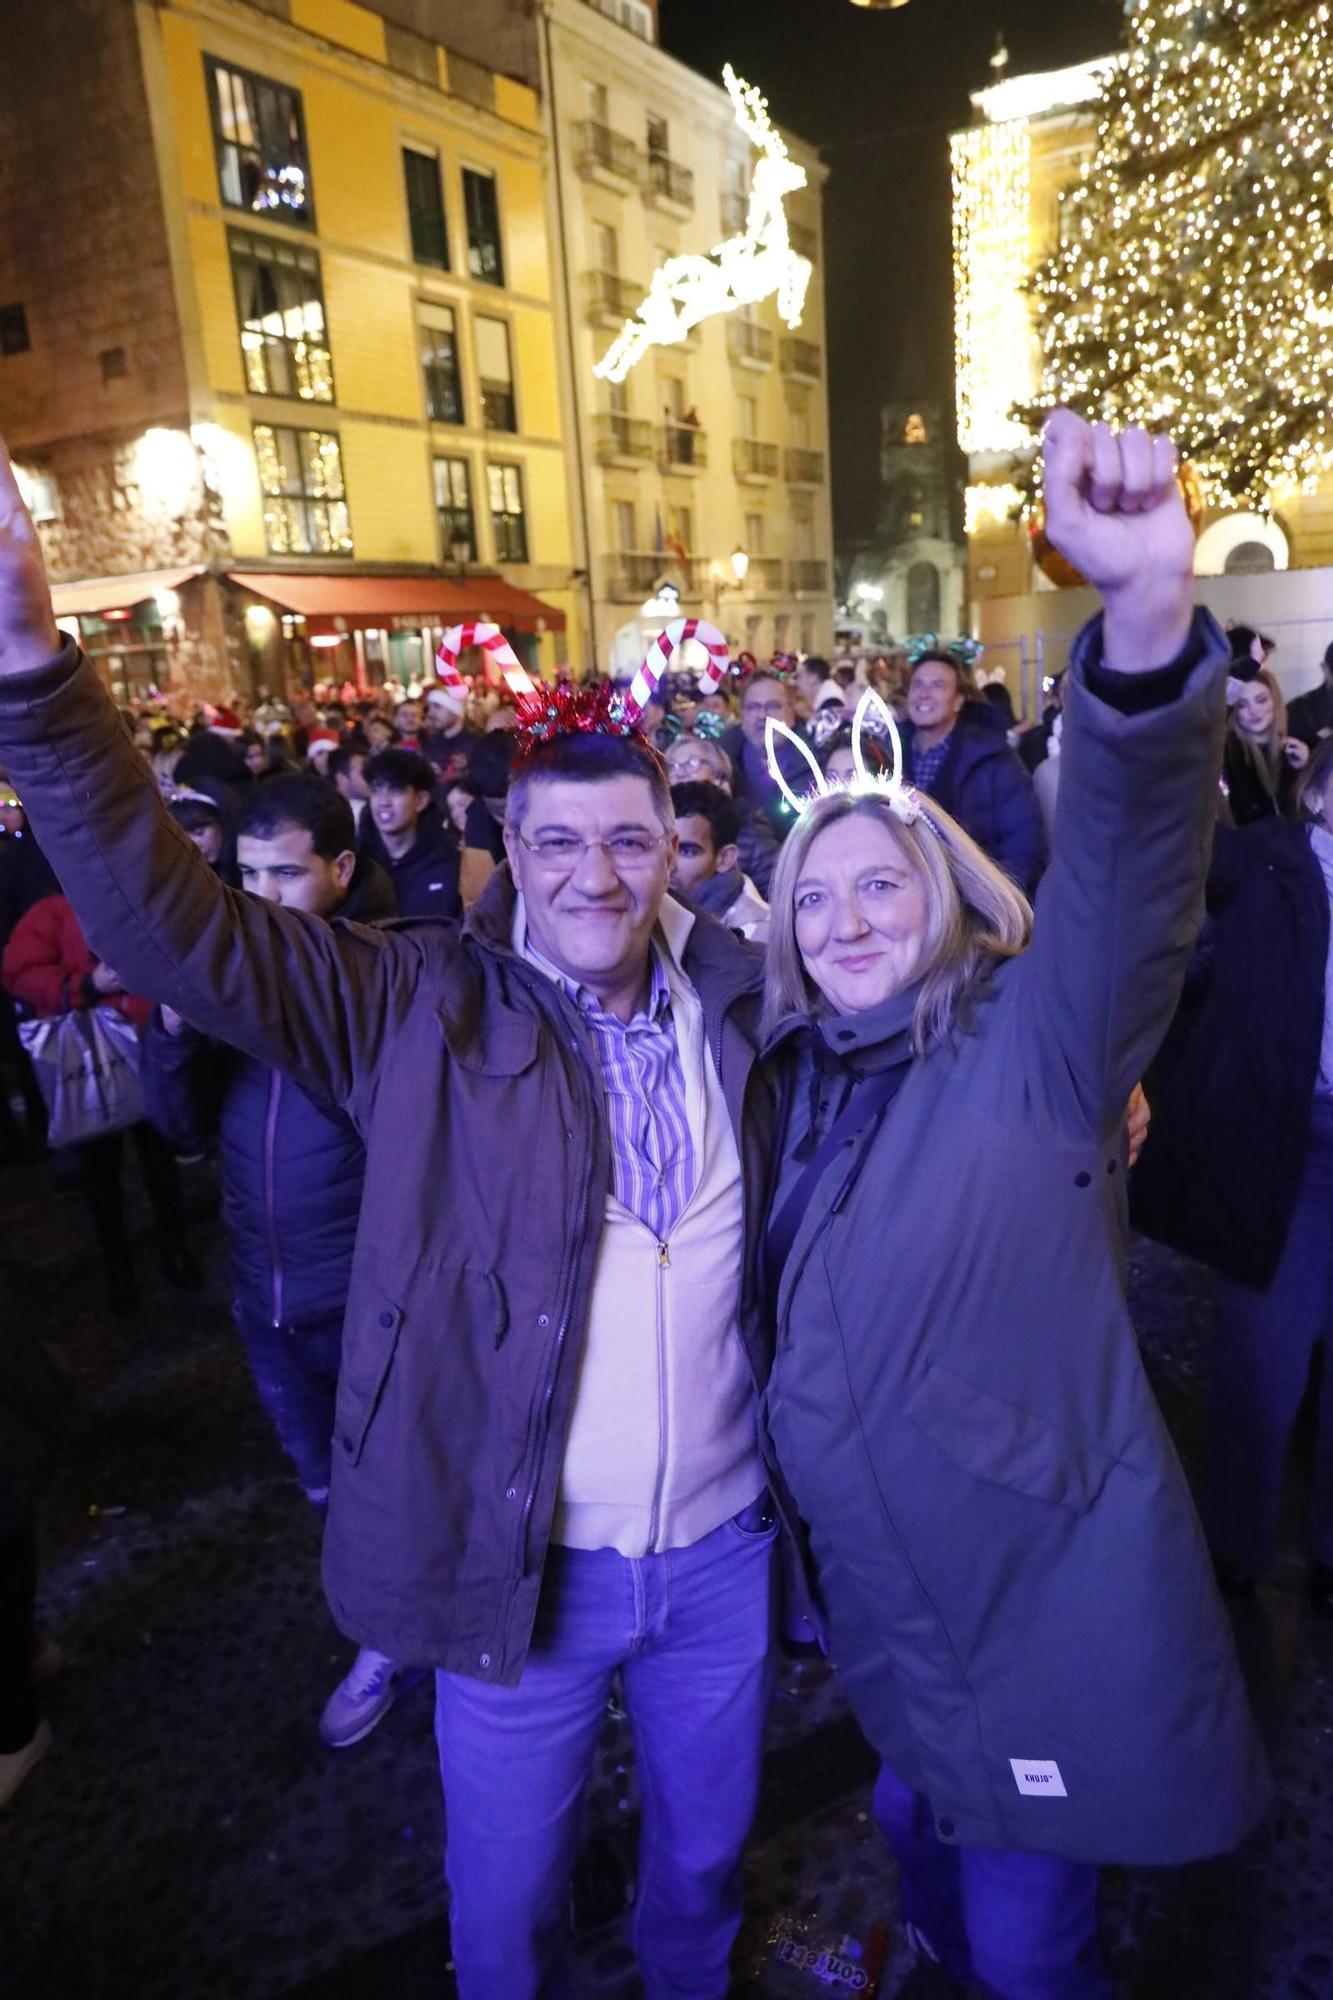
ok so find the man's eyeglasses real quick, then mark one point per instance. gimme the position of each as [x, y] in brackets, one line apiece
[565, 850]
[777, 708]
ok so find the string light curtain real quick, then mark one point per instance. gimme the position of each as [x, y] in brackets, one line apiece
[992, 199]
[1193, 286]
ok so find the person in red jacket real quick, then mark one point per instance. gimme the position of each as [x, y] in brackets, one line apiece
[49, 967]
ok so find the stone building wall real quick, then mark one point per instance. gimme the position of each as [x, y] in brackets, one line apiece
[83, 242]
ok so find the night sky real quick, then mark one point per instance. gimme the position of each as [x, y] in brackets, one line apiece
[879, 93]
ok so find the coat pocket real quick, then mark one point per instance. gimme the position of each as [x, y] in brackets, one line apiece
[367, 1360]
[999, 1441]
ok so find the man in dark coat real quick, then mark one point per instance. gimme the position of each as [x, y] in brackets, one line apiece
[293, 1169]
[1310, 716]
[958, 751]
[404, 832]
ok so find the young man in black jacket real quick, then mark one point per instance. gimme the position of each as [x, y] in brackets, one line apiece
[403, 831]
[292, 1170]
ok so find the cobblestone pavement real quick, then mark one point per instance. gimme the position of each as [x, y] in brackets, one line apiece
[189, 1837]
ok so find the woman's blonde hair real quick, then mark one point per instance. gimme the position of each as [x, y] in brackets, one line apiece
[1267, 754]
[975, 916]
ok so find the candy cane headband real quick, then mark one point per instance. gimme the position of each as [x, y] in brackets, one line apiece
[902, 800]
[493, 641]
[659, 657]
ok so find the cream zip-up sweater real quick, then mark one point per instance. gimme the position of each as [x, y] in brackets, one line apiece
[662, 1444]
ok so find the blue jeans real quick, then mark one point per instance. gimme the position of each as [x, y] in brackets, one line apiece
[691, 1633]
[295, 1370]
[1023, 1925]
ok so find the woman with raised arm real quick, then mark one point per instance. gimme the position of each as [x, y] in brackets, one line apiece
[1018, 1596]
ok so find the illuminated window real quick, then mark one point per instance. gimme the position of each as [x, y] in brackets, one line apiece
[280, 306]
[425, 208]
[259, 133]
[495, 374]
[481, 204]
[505, 487]
[915, 433]
[305, 500]
[453, 509]
[438, 336]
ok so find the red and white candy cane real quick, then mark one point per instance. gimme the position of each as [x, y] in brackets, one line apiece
[658, 658]
[493, 641]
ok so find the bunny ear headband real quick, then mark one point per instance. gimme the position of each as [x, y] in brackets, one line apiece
[873, 717]
[968, 650]
[545, 712]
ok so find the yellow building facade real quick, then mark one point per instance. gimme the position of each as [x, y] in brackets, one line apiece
[366, 438]
[707, 468]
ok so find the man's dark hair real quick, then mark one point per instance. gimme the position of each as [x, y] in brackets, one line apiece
[340, 760]
[399, 771]
[592, 760]
[699, 799]
[306, 801]
[944, 659]
[194, 814]
[490, 759]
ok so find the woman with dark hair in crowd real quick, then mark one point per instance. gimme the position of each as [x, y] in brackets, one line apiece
[1261, 762]
[1238, 1172]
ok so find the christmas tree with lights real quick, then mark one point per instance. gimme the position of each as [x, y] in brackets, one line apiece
[1192, 289]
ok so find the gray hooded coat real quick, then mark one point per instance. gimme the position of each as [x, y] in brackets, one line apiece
[1020, 1602]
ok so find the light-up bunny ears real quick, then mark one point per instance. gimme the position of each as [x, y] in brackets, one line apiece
[873, 717]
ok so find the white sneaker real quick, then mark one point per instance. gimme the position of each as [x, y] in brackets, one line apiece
[16, 1764]
[362, 1698]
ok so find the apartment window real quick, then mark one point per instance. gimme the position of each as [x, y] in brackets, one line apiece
[453, 509]
[606, 247]
[659, 139]
[305, 500]
[425, 208]
[259, 133]
[14, 330]
[599, 109]
[280, 307]
[747, 416]
[682, 530]
[438, 336]
[754, 534]
[481, 204]
[505, 485]
[495, 373]
[624, 528]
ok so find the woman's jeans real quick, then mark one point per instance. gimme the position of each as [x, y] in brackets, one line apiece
[690, 1633]
[1266, 1341]
[1023, 1925]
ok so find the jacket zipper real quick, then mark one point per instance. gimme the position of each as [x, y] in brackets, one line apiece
[270, 1215]
[659, 1483]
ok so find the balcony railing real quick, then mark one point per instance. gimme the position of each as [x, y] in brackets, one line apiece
[751, 459]
[668, 183]
[621, 440]
[635, 574]
[809, 573]
[803, 468]
[765, 575]
[801, 357]
[609, 298]
[682, 445]
[497, 406]
[600, 152]
[749, 345]
[804, 240]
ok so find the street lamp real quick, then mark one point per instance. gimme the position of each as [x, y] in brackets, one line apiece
[740, 560]
[879, 6]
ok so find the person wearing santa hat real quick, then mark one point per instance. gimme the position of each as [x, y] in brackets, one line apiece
[213, 761]
[320, 747]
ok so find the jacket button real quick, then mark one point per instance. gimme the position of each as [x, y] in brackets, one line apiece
[485, 1659]
[511, 1493]
[543, 1319]
[945, 1829]
[386, 1320]
[1082, 1180]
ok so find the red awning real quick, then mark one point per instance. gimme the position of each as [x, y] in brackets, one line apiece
[336, 603]
[115, 593]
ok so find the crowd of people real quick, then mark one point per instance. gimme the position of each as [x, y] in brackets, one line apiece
[743, 1328]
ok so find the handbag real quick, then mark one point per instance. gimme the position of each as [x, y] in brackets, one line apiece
[87, 1067]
